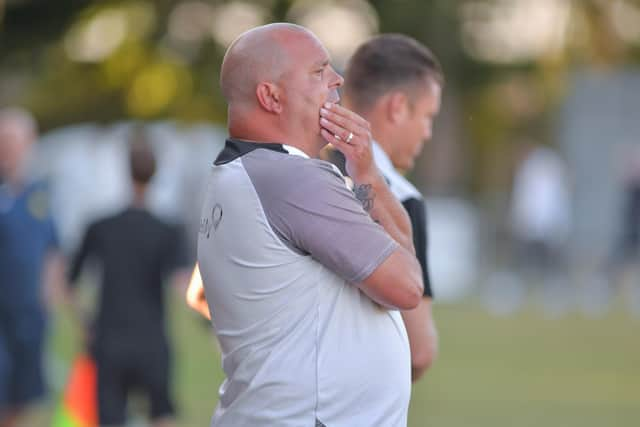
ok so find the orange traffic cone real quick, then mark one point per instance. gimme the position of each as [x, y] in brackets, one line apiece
[78, 407]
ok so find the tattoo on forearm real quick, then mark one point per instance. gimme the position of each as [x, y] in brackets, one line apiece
[364, 193]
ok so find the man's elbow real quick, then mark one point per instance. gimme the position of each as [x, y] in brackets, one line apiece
[414, 289]
[412, 297]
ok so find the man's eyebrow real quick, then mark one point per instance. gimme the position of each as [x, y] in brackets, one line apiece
[322, 63]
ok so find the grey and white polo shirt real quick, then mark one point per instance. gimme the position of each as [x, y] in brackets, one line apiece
[282, 241]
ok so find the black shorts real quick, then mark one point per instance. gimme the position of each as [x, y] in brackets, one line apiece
[145, 369]
[21, 345]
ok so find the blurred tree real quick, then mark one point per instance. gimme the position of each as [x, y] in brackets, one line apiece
[105, 60]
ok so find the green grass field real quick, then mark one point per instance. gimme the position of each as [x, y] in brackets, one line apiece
[522, 370]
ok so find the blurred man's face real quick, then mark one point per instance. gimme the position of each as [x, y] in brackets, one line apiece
[416, 128]
[14, 147]
[310, 83]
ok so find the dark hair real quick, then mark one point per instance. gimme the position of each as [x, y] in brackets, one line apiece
[142, 161]
[386, 62]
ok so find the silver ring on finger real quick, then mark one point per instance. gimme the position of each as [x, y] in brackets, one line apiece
[349, 138]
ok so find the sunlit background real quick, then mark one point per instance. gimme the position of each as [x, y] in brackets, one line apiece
[525, 341]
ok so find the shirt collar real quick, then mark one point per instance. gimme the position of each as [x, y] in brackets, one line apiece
[399, 185]
[382, 160]
[295, 151]
[235, 148]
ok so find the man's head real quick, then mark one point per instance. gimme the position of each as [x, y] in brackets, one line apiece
[395, 82]
[275, 79]
[18, 131]
[142, 161]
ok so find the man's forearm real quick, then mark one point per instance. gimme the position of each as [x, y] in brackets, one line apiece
[423, 337]
[385, 209]
[54, 279]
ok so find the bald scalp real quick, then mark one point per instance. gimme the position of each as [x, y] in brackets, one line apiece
[257, 55]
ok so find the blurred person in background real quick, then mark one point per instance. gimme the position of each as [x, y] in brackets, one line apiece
[303, 278]
[395, 83]
[540, 222]
[622, 268]
[137, 253]
[31, 267]
[629, 246]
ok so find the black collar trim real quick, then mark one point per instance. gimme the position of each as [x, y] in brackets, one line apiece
[234, 148]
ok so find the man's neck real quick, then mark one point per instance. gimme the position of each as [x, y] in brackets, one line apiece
[139, 195]
[259, 128]
[383, 143]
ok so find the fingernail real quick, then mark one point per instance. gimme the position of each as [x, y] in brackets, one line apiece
[324, 121]
[327, 105]
[323, 111]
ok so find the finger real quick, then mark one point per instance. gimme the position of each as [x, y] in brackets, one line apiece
[346, 122]
[343, 113]
[335, 129]
[338, 144]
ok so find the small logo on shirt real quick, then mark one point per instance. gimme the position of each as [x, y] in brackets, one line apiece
[213, 221]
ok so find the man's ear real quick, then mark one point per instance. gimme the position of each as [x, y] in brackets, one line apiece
[397, 107]
[269, 97]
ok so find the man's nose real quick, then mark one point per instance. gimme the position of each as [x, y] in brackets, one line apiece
[338, 79]
[427, 132]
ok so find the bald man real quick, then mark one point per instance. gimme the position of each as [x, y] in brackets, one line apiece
[304, 276]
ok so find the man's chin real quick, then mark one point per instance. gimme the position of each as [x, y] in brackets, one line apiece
[408, 167]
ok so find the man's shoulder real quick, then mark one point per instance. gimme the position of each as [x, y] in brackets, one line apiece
[106, 222]
[99, 225]
[288, 172]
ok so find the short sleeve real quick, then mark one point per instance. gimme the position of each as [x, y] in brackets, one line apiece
[309, 206]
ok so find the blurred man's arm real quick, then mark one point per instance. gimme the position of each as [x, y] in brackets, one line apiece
[423, 337]
[79, 312]
[182, 276]
[195, 296]
[179, 279]
[54, 278]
